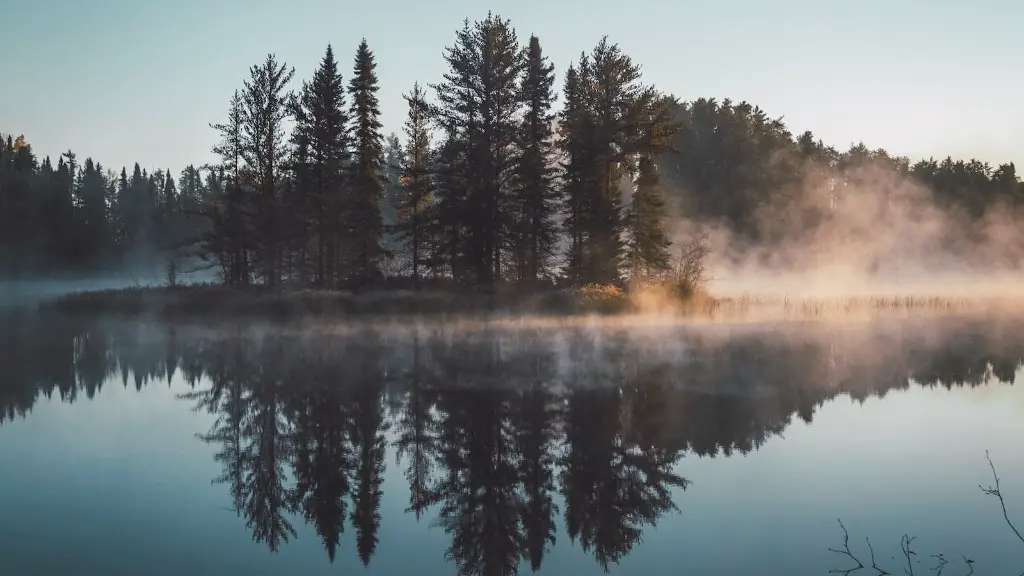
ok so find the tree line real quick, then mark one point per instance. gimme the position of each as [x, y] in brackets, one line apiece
[499, 176]
[77, 217]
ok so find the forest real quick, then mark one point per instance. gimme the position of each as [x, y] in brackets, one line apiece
[499, 177]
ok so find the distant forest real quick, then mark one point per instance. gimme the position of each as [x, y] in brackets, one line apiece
[496, 178]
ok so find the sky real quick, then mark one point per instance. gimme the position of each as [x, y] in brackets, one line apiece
[127, 81]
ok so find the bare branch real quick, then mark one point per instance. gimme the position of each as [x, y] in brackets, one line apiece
[874, 565]
[995, 491]
[905, 543]
[845, 552]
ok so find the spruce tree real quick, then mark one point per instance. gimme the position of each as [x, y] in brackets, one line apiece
[613, 120]
[392, 169]
[478, 107]
[168, 212]
[412, 205]
[17, 205]
[647, 252]
[448, 222]
[576, 129]
[123, 217]
[92, 213]
[536, 198]
[321, 127]
[362, 218]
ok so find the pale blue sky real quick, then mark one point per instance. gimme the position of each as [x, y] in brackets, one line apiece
[140, 80]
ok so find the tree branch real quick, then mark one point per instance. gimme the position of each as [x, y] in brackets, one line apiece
[995, 491]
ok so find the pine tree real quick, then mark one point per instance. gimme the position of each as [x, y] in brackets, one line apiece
[17, 209]
[168, 210]
[392, 170]
[63, 209]
[536, 196]
[613, 119]
[448, 221]
[321, 127]
[266, 102]
[479, 102]
[122, 217]
[576, 128]
[92, 213]
[647, 251]
[363, 224]
[230, 213]
[413, 203]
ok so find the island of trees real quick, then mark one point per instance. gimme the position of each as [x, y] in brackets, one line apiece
[500, 178]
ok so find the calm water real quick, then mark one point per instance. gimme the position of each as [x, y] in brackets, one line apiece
[152, 449]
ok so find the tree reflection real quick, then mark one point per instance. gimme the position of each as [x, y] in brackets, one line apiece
[503, 436]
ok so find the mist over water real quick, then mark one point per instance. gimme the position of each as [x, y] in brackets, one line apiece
[631, 446]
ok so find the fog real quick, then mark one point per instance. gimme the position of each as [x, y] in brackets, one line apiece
[870, 231]
[18, 293]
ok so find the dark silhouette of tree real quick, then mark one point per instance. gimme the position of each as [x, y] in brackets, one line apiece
[362, 210]
[477, 106]
[368, 447]
[536, 437]
[647, 251]
[417, 430]
[322, 456]
[414, 197]
[536, 198]
[231, 210]
[265, 107]
[266, 434]
[322, 126]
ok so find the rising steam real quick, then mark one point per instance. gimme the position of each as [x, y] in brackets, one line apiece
[875, 232]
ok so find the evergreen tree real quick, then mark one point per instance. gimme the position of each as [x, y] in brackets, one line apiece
[17, 211]
[413, 203]
[362, 211]
[266, 102]
[576, 128]
[122, 217]
[613, 120]
[478, 106]
[537, 198]
[321, 126]
[448, 223]
[92, 213]
[168, 210]
[392, 169]
[229, 236]
[648, 244]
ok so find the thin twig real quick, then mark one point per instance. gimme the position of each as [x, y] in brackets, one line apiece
[874, 565]
[990, 491]
[845, 552]
[970, 565]
[905, 542]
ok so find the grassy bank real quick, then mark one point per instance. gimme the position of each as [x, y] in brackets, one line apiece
[212, 301]
[222, 301]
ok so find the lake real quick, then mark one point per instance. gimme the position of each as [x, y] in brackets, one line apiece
[131, 447]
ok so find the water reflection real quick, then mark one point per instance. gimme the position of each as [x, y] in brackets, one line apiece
[491, 427]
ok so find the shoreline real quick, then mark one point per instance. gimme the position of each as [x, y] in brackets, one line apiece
[657, 305]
